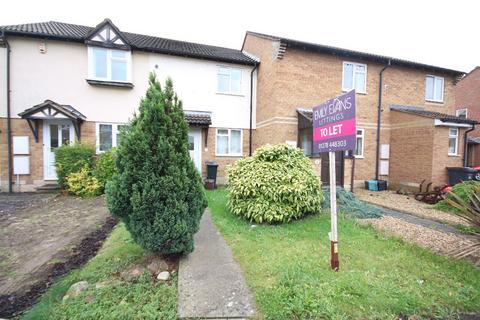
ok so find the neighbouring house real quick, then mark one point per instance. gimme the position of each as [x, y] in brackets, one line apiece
[416, 137]
[62, 82]
[467, 95]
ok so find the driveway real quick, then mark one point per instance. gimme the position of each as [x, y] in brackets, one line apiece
[39, 236]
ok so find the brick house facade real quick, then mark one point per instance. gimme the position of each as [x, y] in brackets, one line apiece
[467, 95]
[295, 76]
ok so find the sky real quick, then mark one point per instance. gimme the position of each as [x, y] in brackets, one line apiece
[441, 33]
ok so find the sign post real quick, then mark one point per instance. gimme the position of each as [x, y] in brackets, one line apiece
[334, 129]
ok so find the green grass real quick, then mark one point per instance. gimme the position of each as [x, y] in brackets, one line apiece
[381, 277]
[142, 299]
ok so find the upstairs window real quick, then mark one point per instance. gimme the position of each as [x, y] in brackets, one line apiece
[354, 77]
[434, 89]
[229, 80]
[461, 113]
[452, 141]
[109, 64]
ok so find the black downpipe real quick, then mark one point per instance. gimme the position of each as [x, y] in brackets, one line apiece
[379, 119]
[250, 131]
[465, 146]
[9, 120]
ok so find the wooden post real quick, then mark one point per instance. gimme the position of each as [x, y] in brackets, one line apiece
[333, 211]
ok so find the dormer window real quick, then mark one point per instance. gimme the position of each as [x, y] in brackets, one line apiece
[109, 64]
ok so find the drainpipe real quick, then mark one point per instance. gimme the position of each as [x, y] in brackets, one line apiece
[465, 146]
[379, 118]
[9, 124]
[250, 131]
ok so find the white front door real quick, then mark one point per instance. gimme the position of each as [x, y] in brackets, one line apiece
[55, 134]
[195, 146]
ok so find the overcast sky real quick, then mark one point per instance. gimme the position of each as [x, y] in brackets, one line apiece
[442, 33]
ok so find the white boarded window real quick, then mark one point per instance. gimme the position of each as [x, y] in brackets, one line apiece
[462, 113]
[229, 80]
[108, 136]
[434, 88]
[452, 141]
[109, 64]
[229, 142]
[354, 77]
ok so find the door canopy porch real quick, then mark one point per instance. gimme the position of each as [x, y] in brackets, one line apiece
[50, 110]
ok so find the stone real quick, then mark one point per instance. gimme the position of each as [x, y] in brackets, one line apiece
[157, 265]
[75, 289]
[163, 276]
[132, 274]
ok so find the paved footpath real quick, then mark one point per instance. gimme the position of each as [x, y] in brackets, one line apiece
[210, 282]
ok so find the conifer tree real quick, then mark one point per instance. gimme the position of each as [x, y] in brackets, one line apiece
[157, 192]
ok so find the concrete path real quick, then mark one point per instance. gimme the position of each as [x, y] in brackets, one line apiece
[432, 224]
[210, 281]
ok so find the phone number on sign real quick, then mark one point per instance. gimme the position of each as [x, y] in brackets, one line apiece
[333, 144]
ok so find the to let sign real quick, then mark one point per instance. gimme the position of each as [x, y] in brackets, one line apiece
[334, 124]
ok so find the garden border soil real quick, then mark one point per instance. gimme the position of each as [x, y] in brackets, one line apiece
[14, 304]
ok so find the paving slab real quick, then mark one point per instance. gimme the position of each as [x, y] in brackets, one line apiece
[211, 284]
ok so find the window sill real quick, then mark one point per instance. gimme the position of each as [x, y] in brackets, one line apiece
[357, 92]
[453, 155]
[231, 94]
[434, 101]
[233, 155]
[105, 83]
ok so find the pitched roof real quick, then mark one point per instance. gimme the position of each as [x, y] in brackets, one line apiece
[78, 33]
[354, 54]
[64, 109]
[419, 111]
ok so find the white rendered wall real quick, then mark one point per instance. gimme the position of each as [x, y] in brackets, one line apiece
[3, 82]
[60, 73]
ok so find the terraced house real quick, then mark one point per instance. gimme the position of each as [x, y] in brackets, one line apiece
[61, 82]
[407, 130]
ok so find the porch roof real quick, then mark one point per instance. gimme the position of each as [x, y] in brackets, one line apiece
[198, 118]
[52, 110]
[419, 111]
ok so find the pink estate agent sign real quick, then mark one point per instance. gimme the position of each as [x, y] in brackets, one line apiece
[335, 124]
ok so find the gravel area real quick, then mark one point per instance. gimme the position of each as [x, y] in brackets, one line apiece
[392, 200]
[435, 240]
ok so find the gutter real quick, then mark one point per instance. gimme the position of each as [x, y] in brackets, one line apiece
[9, 120]
[465, 146]
[379, 118]
[250, 131]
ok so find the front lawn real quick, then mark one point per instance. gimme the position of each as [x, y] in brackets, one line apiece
[381, 277]
[140, 298]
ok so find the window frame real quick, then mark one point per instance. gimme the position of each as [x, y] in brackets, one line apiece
[229, 154]
[362, 135]
[115, 132]
[462, 109]
[230, 92]
[344, 89]
[108, 78]
[434, 88]
[450, 136]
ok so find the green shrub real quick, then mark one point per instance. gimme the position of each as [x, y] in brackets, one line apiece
[72, 158]
[158, 192]
[462, 190]
[277, 184]
[105, 167]
[83, 183]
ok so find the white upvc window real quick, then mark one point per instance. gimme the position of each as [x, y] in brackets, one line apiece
[453, 142]
[434, 87]
[360, 143]
[229, 142]
[462, 113]
[108, 136]
[229, 80]
[354, 77]
[109, 64]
